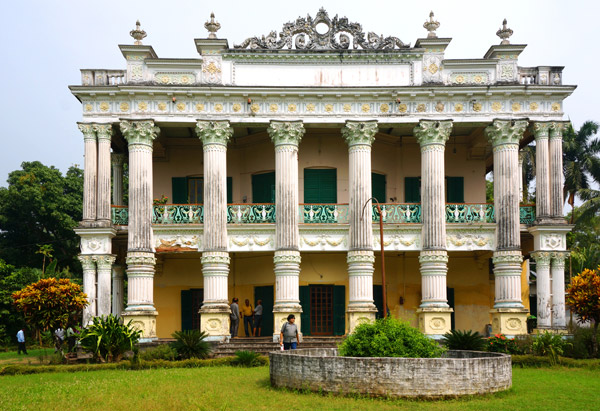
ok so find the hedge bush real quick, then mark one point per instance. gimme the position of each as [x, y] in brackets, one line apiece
[388, 337]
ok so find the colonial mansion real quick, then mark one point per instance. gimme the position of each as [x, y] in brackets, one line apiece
[255, 171]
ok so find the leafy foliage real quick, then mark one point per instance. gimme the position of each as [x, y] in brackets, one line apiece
[50, 303]
[191, 344]
[549, 345]
[109, 338]
[160, 352]
[464, 340]
[499, 343]
[584, 299]
[247, 359]
[40, 207]
[388, 337]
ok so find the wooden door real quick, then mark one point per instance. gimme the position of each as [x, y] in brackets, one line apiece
[321, 309]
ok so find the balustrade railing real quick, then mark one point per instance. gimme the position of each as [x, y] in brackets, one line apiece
[398, 213]
[250, 213]
[319, 213]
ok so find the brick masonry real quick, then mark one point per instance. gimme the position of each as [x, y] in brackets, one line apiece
[457, 373]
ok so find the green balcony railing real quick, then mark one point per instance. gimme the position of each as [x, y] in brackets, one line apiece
[250, 213]
[319, 213]
[398, 213]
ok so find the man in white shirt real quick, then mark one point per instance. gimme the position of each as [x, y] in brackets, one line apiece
[21, 341]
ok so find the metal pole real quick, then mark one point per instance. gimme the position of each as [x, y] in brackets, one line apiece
[383, 287]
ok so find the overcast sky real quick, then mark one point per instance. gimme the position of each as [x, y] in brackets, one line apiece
[44, 44]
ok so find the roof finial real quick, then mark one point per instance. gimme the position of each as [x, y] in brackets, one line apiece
[212, 26]
[504, 33]
[431, 26]
[138, 34]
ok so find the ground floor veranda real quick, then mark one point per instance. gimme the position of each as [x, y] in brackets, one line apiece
[178, 289]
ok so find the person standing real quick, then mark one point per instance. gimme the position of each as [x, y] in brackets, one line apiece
[248, 313]
[234, 317]
[289, 334]
[258, 313]
[59, 336]
[21, 341]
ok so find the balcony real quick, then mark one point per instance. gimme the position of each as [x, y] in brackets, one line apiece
[409, 213]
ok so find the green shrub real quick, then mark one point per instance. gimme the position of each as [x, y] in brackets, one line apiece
[160, 352]
[190, 344]
[246, 359]
[464, 340]
[581, 345]
[535, 361]
[388, 337]
[109, 338]
[499, 343]
[548, 345]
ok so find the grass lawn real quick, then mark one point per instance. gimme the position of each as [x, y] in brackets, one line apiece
[227, 388]
[33, 357]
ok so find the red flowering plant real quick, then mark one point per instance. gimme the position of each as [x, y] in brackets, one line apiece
[160, 202]
[499, 343]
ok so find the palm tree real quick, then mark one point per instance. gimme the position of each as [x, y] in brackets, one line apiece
[581, 167]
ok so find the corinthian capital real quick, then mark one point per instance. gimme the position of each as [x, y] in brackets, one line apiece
[433, 132]
[540, 130]
[103, 131]
[359, 132]
[88, 131]
[214, 132]
[557, 128]
[141, 132]
[117, 159]
[286, 132]
[503, 132]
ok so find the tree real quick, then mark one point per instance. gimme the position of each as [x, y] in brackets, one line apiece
[584, 298]
[39, 208]
[50, 303]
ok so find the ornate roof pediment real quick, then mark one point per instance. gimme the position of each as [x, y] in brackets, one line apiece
[322, 33]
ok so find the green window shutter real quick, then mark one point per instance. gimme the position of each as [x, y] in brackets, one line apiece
[378, 187]
[378, 299]
[305, 304]
[339, 310]
[320, 185]
[455, 189]
[263, 188]
[412, 189]
[179, 186]
[186, 310]
[229, 190]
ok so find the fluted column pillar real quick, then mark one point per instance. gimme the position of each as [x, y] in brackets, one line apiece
[557, 270]
[88, 263]
[521, 188]
[117, 161]
[104, 264]
[508, 316]
[434, 312]
[215, 258]
[90, 169]
[556, 171]
[117, 290]
[140, 254]
[286, 136]
[360, 136]
[104, 134]
[542, 171]
[542, 269]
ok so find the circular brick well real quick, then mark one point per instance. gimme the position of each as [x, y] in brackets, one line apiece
[456, 373]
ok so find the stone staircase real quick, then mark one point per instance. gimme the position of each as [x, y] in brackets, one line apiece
[264, 345]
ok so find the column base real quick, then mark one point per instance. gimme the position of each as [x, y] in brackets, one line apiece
[215, 323]
[143, 320]
[557, 331]
[509, 321]
[358, 316]
[435, 322]
[280, 317]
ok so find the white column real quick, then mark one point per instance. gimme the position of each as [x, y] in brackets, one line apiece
[556, 170]
[542, 269]
[509, 314]
[215, 258]
[117, 178]
[286, 136]
[117, 290]
[360, 136]
[89, 172]
[88, 263]
[557, 271]
[140, 254]
[521, 188]
[542, 171]
[104, 134]
[104, 264]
